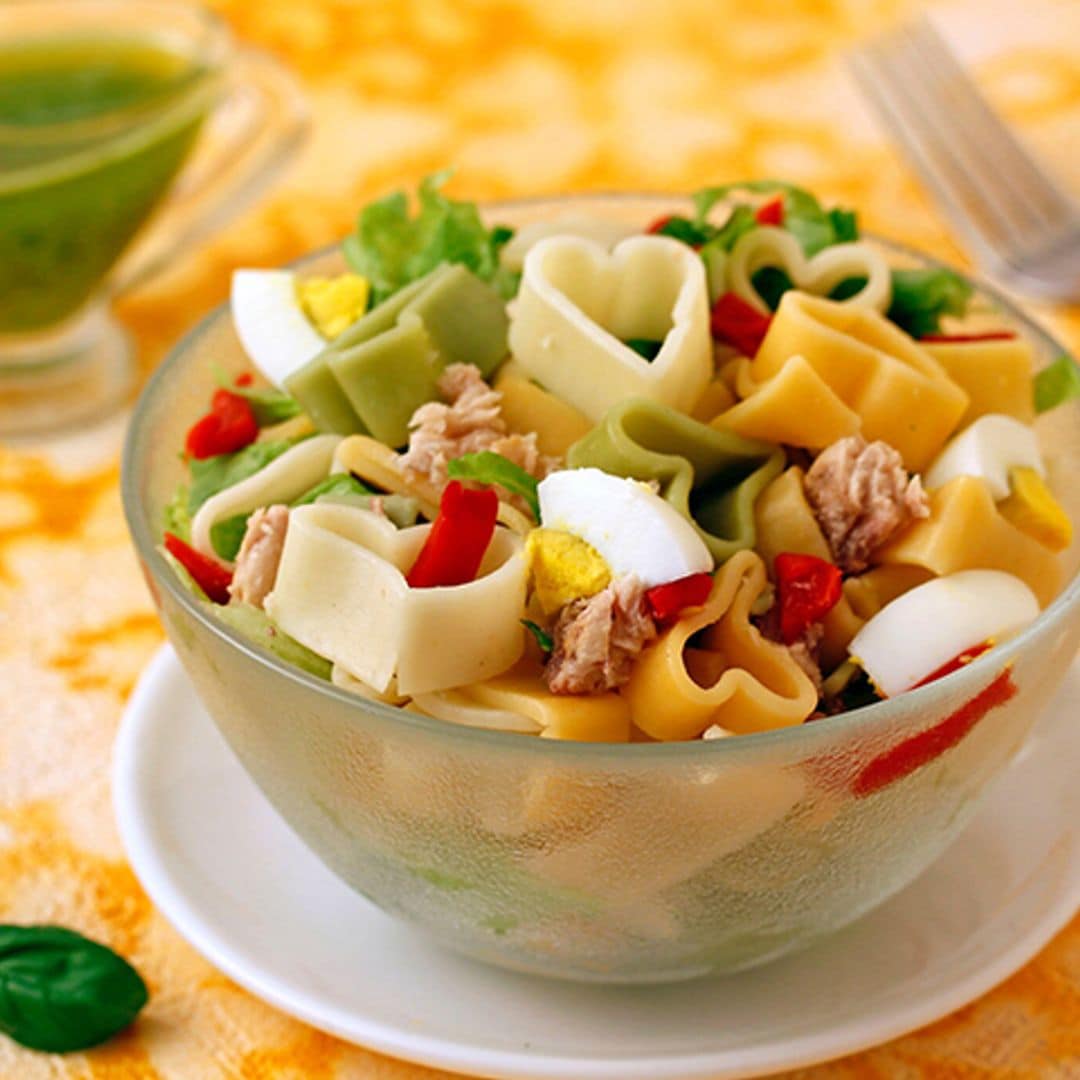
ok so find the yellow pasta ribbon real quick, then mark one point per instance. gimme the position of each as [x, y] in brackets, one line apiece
[966, 530]
[900, 392]
[752, 684]
[527, 407]
[995, 375]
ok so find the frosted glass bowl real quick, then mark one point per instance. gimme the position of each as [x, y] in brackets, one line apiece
[612, 863]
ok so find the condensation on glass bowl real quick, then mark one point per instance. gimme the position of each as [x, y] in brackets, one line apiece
[638, 863]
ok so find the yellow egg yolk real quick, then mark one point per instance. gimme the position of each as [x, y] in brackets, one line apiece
[333, 304]
[563, 568]
[1032, 507]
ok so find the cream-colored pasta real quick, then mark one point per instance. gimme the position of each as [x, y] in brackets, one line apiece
[341, 591]
[373, 463]
[819, 275]
[743, 682]
[390, 696]
[578, 305]
[900, 392]
[602, 231]
[287, 477]
[458, 708]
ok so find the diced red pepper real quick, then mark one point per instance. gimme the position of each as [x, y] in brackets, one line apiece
[230, 425]
[807, 589]
[667, 600]
[658, 225]
[955, 339]
[736, 323]
[245, 378]
[459, 536]
[955, 664]
[771, 212]
[911, 754]
[213, 578]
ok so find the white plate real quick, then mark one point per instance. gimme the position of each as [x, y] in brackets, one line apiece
[239, 885]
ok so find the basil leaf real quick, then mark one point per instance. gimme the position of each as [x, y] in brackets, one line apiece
[213, 474]
[645, 347]
[770, 283]
[1057, 383]
[227, 535]
[543, 638]
[177, 519]
[694, 233]
[921, 297]
[60, 992]
[390, 248]
[845, 225]
[848, 287]
[487, 467]
[338, 484]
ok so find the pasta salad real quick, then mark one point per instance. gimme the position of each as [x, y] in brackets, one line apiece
[721, 473]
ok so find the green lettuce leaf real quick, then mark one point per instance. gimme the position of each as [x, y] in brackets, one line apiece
[270, 406]
[487, 467]
[1057, 383]
[338, 484]
[177, 518]
[391, 248]
[922, 297]
[213, 474]
[227, 535]
[646, 347]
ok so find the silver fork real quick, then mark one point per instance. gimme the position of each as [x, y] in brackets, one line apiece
[1019, 224]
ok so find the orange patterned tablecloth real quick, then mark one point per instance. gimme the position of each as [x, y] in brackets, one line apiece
[522, 96]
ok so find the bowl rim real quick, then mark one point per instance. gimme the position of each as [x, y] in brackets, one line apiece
[697, 751]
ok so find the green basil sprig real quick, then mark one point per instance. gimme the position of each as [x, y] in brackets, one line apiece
[59, 991]
[487, 467]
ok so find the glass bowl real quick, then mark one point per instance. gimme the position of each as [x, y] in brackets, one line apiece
[613, 863]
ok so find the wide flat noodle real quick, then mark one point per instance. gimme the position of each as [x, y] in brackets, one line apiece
[900, 392]
[527, 407]
[341, 591]
[796, 407]
[771, 246]
[966, 531]
[587, 718]
[711, 477]
[751, 684]
[996, 375]
[786, 523]
[578, 306]
[287, 477]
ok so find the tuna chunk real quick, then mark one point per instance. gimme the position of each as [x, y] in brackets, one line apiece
[470, 421]
[861, 495]
[598, 639]
[259, 555]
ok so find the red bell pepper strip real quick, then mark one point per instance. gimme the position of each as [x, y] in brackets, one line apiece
[213, 578]
[807, 589]
[955, 339]
[245, 378]
[771, 212]
[667, 600]
[955, 664]
[230, 425]
[905, 757]
[735, 322]
[459, 536]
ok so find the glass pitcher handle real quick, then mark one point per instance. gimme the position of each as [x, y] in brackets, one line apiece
[249, 136]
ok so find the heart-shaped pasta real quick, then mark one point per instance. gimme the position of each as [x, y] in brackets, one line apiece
[734, 678]
[341, 590]
[770, 246]
[578, 306]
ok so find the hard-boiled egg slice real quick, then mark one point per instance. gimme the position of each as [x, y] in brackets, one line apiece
[934, 623]
[988, 449]
[271, 324]
[634, 530]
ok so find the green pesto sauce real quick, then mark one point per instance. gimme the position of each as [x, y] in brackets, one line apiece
[88, 146]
